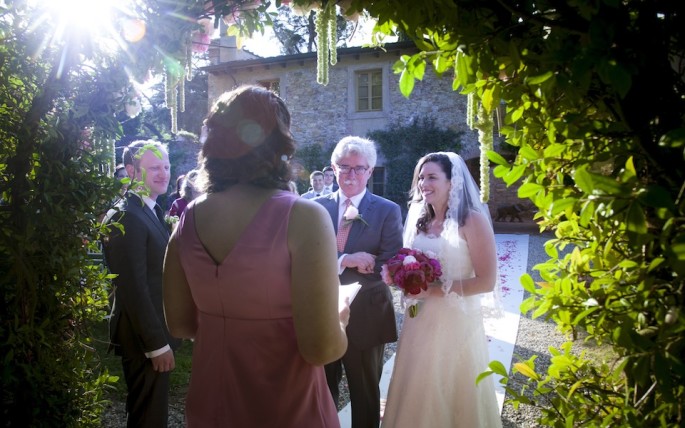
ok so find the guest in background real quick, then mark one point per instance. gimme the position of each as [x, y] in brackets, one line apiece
[120, 174]
[120, 171]
[293, 187]
[188, 193]
[316, 181]
[250, 275]
[176, 193]
[369, 232]
[329, 183]
[138, 332]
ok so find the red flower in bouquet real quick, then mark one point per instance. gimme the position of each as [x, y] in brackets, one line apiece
[411, 271]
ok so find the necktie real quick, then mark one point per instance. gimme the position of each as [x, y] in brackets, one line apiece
[318, 194]
[343, 229]
[160, 214]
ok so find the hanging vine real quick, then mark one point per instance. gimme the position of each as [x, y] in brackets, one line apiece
[326, 40]
[482, 120]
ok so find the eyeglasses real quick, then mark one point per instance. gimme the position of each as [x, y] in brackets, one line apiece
[357, 169]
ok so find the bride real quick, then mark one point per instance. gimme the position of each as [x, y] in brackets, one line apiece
[443, 349]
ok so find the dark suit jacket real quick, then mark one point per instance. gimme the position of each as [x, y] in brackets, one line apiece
[137, 324]
[372, 313]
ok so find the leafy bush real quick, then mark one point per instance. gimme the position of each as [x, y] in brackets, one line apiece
[595, 109]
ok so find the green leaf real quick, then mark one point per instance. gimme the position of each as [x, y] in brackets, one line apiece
[586, 213]
[483, 375]
[527, 283]
[526, 371]
[462, 68]
[517, 114]
[584, 314]
[401, 64]
[560, 205]
[491, 97]
[527, 152]
[555, 150]
[635, 219]
[528, 190]
[630, 167]
[673, 139]
[417, 66]
[495, 157]
[657, 197]
[406, 83]
[536, 80]
[515, 173]
[498, 368]
[583, 179]
[607, 185]
[487, 99]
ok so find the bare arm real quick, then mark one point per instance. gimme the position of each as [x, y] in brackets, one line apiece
[481, 239]
[179, 308]
[319, 327]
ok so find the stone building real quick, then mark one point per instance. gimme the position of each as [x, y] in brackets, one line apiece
[362, 94]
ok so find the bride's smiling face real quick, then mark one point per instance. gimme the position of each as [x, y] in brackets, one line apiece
[434, 184]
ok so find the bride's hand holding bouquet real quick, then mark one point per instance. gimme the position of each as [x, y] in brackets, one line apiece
[412, 271]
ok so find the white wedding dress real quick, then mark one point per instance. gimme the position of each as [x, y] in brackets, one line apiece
[440, 353]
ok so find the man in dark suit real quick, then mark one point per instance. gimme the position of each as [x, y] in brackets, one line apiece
[329, 184]
[373, 230]
[138, 331]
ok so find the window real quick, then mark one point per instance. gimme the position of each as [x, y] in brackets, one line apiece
[377, 181]
[272, 85]
[369, 85]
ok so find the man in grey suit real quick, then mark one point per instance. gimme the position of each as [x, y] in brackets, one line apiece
[373, 230]
[316, 180]
[138, 331]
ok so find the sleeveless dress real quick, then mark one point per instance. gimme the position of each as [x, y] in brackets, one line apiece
[246, 368]
[440, 353]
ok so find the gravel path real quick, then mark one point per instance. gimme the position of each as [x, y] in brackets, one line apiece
[534, 338]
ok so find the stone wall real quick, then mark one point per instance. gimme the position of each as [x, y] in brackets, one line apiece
[324, 114]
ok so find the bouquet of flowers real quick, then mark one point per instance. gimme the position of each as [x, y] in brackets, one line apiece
[411, 271]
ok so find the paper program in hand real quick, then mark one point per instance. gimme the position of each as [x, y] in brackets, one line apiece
[348, 290]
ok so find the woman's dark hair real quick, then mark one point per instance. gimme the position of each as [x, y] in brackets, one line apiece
[428, 214]
[247, 140]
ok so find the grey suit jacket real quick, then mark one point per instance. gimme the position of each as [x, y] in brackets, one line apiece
[137, 324]
[372, 313]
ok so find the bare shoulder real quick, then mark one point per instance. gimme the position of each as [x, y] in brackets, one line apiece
[477, 218]
[308, 213]
[309, 222]
[477, 223]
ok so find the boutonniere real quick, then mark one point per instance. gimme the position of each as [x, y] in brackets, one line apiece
[172, 221]
[352, 214]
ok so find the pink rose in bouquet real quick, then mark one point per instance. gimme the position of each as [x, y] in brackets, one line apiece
[411, 271]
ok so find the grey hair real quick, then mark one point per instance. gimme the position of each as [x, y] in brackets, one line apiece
[352, 145]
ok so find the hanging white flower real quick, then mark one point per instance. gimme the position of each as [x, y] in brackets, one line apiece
[133, 107]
